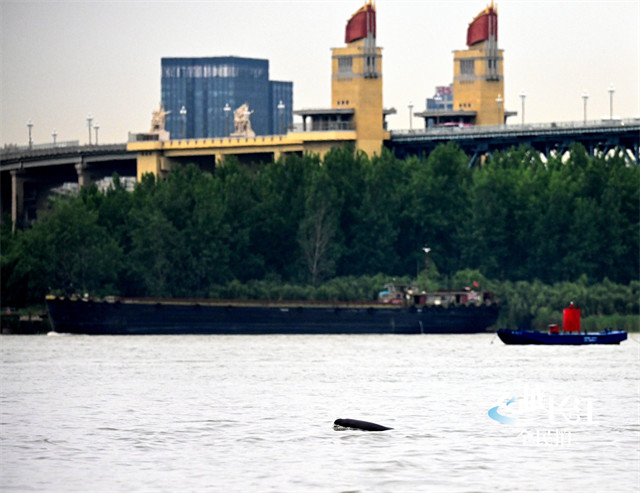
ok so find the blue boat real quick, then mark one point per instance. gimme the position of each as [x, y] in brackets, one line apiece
[537, 337]
[570, 334]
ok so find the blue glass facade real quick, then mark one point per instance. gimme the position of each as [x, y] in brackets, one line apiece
[442, 100]
[205, 85]
[281, 95]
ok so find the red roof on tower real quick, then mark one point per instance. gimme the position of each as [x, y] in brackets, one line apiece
[484, 26]
[361, 23]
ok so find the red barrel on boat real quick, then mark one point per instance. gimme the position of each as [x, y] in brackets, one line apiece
[571, 319]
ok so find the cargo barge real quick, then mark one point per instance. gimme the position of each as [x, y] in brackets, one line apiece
[395, 313]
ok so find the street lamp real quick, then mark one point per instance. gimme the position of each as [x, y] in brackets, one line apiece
[54, 134]
[438, 100]
[281, 114]
[227, 110]
[89, 120]
[183, 121]
[411, 115]
[426, 251]
[96, 127]
[611, 91]
[30, 126]
[522, 97]
[585, 97]
[499, 102]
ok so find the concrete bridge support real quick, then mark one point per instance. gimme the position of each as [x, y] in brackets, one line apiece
[17, 199]
[84, 177]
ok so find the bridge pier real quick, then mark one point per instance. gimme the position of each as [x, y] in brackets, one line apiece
[84, 177]
[17, 199]
[151, 162]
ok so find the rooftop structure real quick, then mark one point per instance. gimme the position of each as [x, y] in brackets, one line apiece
[356, 86]
[478, 78]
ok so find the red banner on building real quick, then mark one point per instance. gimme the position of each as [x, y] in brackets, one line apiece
[361, 23]
[483, 27]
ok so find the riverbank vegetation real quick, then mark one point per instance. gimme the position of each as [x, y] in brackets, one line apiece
[538, 232]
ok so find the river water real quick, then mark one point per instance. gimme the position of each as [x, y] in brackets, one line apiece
[255, 413]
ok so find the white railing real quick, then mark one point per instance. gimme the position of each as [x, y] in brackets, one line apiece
[37, 147]
[534, 127]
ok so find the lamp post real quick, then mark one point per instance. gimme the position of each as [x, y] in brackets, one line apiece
[522, 97]
[30, 126]
[410, 115]
[585, 98]
[426, 251]
[281, 115]
[183, 121]
[96, 127]
[499, 102]
[227, 110]
[611, 91]
[54, 134]
[89, 120]
[438, 100]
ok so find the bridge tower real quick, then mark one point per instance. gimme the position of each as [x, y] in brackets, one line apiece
[356, 79]
[478, 76]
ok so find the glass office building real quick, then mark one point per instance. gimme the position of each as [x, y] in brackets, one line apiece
[442, 100]
[204, 86]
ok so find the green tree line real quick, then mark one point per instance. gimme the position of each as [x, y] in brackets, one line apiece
[306, 221]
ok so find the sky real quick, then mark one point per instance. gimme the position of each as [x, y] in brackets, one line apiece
[63, 60]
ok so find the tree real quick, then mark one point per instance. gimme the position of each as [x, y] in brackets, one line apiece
[374, 232]
[67, 251]
[318, 231]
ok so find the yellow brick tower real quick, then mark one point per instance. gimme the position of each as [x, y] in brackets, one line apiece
[356, 79]
[478, 77]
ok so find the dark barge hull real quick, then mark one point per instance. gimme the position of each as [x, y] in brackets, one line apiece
[535, 337]
[160, 317]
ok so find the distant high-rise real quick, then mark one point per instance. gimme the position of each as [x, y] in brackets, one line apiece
[205, 86]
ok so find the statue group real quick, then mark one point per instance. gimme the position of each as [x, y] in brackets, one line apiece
[159, 119]
[242, 123]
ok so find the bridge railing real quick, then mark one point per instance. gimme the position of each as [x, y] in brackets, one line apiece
[36, 147]
[532, 127]
[13, 153]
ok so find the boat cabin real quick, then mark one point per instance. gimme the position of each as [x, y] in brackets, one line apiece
[397, 294]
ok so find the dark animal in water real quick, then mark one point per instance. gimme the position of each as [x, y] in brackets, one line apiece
[359, 425]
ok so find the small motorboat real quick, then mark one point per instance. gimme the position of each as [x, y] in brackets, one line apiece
[570, 334]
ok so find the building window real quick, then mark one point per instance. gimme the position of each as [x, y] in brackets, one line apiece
[467, 67]
[345, 64]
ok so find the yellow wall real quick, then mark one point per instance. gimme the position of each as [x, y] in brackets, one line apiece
[477, 92]
[353, 89]
[158, 157]
[150, 162]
